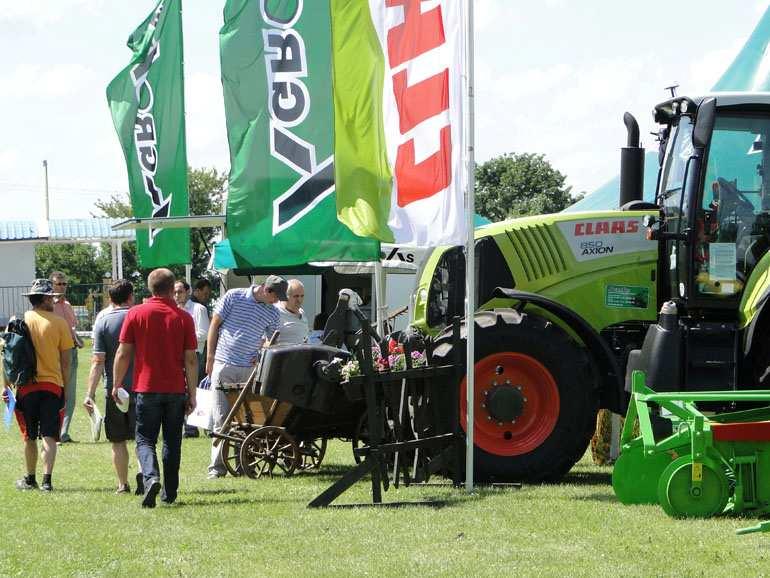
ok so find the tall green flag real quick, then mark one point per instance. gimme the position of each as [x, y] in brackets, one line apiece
[147, 104]
[277, 77]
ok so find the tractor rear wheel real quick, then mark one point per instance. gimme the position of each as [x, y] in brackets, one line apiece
[535, 397]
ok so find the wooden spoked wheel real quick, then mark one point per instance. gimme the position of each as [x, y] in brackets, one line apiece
[312, 452]
[361, 438]
[269, 448]
[231, 452]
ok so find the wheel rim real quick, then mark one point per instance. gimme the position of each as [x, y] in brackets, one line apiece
[313, 452]
[231, 454]
[675, 490]
[531, 399]
[266, 449]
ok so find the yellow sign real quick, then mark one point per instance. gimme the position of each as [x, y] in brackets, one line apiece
[697, 472]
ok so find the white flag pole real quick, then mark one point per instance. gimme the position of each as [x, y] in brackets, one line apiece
[379, 294]
[470, 288]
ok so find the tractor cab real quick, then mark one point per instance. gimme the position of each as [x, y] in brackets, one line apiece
[713, 234]
[714, 198]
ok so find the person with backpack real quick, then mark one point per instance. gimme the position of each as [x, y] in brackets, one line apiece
[40, 399]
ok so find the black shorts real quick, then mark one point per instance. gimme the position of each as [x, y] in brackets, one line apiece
[40, 415]
[119, 426]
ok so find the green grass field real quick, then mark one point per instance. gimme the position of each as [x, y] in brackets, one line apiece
[243, 527]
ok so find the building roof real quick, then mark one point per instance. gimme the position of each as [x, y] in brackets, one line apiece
[94, 229]
[18, 230]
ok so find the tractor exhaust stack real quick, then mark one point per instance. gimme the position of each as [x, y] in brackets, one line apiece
[631, 164]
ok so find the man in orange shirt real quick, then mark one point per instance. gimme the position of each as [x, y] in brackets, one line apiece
[40, 404]
[64, 309]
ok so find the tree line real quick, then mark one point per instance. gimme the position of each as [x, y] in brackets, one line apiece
[87, 264]
[508, 186]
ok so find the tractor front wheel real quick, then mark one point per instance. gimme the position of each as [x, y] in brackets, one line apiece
[535, 397]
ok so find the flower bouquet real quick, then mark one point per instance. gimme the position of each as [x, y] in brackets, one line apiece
[394, 361]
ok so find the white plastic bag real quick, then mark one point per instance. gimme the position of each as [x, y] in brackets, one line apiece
[203, 414]
[96, 423]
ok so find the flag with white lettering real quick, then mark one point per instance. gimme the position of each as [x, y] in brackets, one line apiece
[398, 126]
[276, 66]
[147, 104]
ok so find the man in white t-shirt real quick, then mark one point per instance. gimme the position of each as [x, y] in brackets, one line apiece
[200, 316]
[293, 324]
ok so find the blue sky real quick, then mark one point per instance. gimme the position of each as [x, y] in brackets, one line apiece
[552, 77]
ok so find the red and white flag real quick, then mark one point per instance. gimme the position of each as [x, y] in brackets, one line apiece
[398, 98]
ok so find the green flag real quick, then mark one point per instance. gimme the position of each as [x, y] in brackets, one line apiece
[147, 104]
[277, 78]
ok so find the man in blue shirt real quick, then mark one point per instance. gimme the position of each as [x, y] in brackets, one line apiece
[243, 320]
[119, 426]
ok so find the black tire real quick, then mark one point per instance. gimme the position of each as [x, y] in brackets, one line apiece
[508, 331]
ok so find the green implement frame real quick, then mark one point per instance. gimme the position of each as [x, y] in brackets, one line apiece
[691, 463]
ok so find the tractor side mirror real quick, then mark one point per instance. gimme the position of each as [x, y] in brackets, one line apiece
[704, 123]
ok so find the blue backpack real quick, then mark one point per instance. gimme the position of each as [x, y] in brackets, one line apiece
[19, 359]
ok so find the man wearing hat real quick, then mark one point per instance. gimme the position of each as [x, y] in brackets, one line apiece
[40, 404]
[243, 320]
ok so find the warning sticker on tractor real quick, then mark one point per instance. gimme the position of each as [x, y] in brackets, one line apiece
[627, 296]
[722, 261]
[697, 472]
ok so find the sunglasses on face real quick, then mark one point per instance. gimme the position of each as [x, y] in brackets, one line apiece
[61, 283]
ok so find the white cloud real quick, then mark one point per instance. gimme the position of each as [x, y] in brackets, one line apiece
[565, 111]
[9, 160]
[34, 81]
[205, 121]
[706, 71]
[40, 13]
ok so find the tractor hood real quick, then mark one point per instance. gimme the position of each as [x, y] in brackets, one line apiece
[577, 258]
[588, 235]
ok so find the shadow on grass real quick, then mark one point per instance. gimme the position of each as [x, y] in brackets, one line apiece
[596, 497]
[428, 503]
[214, 491]
[84, 490]
[327, 472]
[233, 501]
[588, 478]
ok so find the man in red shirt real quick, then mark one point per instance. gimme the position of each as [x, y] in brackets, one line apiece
[161, 339]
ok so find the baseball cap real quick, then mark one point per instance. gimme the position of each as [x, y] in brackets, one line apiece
[277, 285]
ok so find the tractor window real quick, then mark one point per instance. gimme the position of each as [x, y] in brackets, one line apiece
[446, 294]
[676, 167]
[491, 270]
[733, 219]
[680, 153]
[674, 202]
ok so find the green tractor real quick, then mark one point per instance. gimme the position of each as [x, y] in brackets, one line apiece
[568, 303]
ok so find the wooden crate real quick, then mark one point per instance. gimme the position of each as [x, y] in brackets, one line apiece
[256, 409]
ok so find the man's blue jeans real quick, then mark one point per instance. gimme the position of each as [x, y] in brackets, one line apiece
[154, 410]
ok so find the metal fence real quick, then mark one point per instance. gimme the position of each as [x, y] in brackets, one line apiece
[87, 301]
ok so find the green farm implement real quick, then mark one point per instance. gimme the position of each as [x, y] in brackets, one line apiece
[691, 463]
